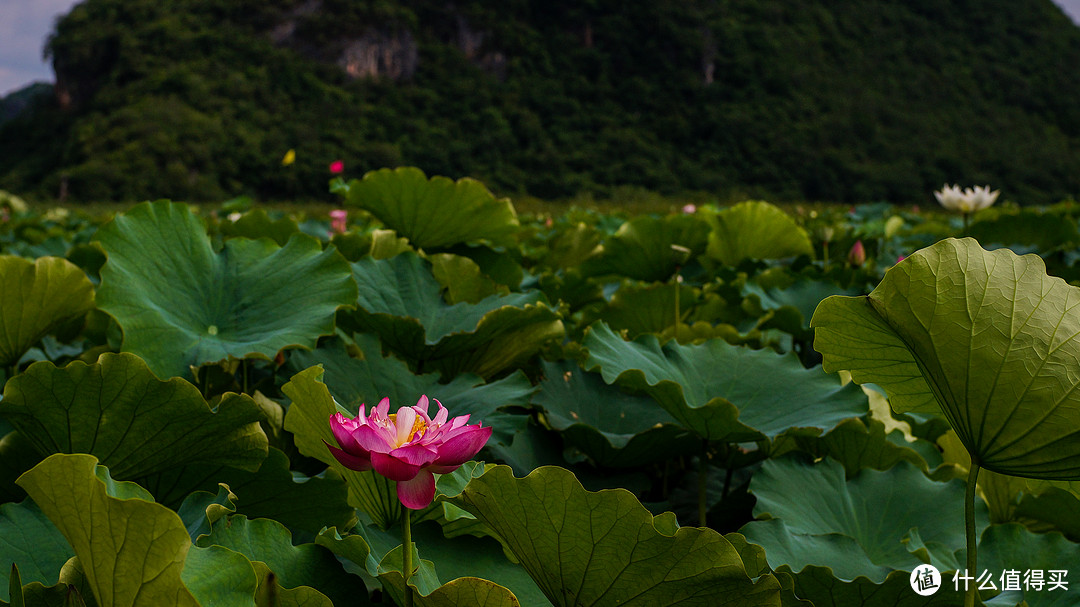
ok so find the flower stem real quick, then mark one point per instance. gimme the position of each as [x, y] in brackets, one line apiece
[703, 476]
[965, 216]
[406, 554]
[969, 524]
[825, 254]
[675, 333]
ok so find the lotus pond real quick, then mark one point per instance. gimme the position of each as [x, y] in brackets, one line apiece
[721, 406]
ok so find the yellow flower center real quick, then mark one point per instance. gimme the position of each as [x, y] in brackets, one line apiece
[419, 425]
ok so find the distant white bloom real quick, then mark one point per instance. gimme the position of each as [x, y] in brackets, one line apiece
[234, 217]
[689, 209]
[966, 201]
[951, 197]
[981, 197]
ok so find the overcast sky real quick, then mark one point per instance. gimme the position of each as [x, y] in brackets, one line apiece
[24, 25]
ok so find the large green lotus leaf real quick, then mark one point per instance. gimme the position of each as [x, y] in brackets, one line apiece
[462, 279]
[987, 335]
[270, 542]
[721, 391]
[460, 592]
[756, 230]
[863, 527]
[648, 309]
[615, 429]
[1013, 548]
[180, 303]
[28, 539]
[137, 424]
[37, 297]
[132, 550]
[776, 290]
[642, 247]
[353, 382]
[299, 502]
[257, 224]
[436, 212]
[857, 444]
[400, 301]
[820, 586]
[309, 421]
[218, 576]
[605, 548]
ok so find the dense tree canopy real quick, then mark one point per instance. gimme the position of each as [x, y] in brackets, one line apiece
[838, 101]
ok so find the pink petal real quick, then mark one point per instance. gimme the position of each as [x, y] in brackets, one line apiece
[417, 493]
[383, 409]
[462, 447]
[342, 428]
[350, 461]
[440, 418]
[422, 404]
[393, 468]
[415, 454]
[373, 439]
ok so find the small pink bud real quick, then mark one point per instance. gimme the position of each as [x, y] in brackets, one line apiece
[339, 221]
[901, 258]
[857, 255]
[689, 209]
[337, 166]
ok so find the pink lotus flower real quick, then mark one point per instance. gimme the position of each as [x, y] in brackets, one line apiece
[337, 166]
[408, 446]
[689, 209]
[338, 221]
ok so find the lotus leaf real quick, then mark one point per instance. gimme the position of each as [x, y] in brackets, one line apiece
[604, 548]
[613, 428]
[180, 303]
[119, 411]
[1013, 548]
[756, 230]
[271, 543]
[28, 539]
[861, 527]
[721, 391]
[987, 336]
[354, 382]
[37, 297]
[257, 224]
[399, 301]
[132, 550]
[642, 247]
[436, 212]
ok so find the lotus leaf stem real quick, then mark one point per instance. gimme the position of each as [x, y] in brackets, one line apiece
[969, 523]
[703, 476]
[406, 554]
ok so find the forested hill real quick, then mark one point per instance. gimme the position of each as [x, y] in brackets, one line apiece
[836, 100]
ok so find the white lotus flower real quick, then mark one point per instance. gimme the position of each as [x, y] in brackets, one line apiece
[966, 201]
[980, 197]
[952, 198]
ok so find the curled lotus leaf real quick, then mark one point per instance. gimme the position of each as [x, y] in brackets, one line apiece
[756, 230]
[437, 212]
[37, 297]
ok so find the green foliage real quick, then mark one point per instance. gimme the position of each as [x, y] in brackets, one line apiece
[200, 99]
[38, 297]
[986, 336]
[182, 304]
